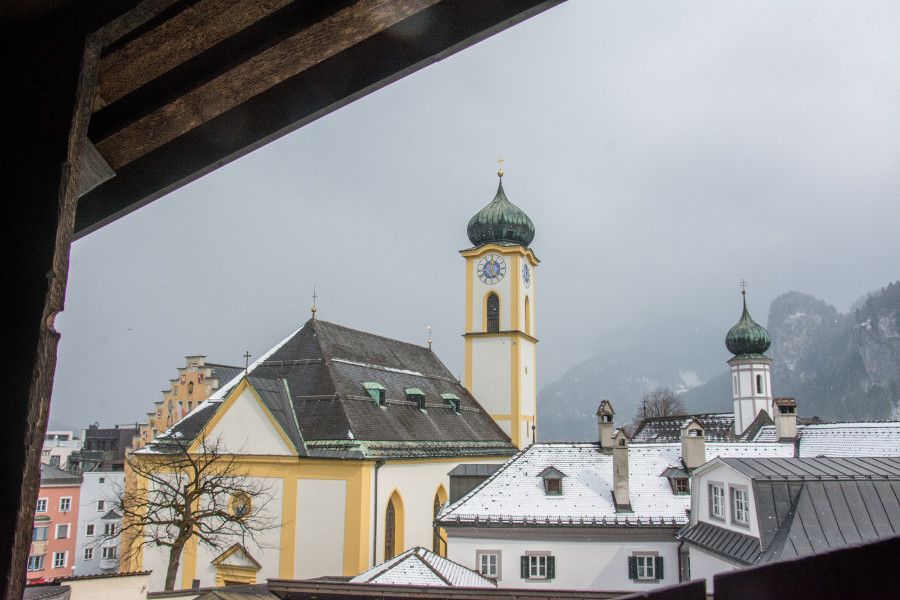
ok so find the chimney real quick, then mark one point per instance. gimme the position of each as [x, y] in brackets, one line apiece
[785, 419]
[605, 426]
[693, 444]
[620, 471]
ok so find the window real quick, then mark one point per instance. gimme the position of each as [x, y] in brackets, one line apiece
[109, 529]
[39, 534]
[759, 384]
[538, 566]
[645, 567]
[109, 552]
[734, 385]
[553, 486]
[101, 505]
[89, 529]
[65, 504]
[390, 526]
[88, 553]
[527, 316]
[375, 390]
[36, 563]
[740, 506]
[191, 387]
[453, 400]
[681, 485]
[488, 562]
[62, 531]
[54, 461]
[59, 560]
[437, 545]
[417, 396]
[101, 480]
[716, 501]
[493, 313]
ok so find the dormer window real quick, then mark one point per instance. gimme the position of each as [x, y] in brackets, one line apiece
[552, 481]
[695, 432]
[375, 390]
[681, 485]
[452, 400]
[416, 395]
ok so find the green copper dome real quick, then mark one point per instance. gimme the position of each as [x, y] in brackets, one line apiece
[747, 337]
[500, 222]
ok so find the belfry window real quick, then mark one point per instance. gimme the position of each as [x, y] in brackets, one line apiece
[493, 313]
[759, 384]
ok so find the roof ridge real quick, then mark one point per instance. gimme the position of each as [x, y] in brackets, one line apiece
[430, 566]
[369, 333]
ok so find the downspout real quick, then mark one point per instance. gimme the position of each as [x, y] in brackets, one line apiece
[680, 566]
[378, 464]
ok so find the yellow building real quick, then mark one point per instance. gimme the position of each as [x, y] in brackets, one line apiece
[353, 434]
[197, 380]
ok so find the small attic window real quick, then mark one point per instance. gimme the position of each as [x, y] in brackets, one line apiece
[695, 432]
[375, 390]
[681, 485]
[552, 481]
[416, 395]
[453, 400]
[621, 441]
[787, 409]
[606, 418]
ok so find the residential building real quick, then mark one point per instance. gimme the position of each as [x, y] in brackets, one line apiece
[751, 511]
[421, 567]
[58, 445]
[97, 549]
[587, 516]
[197, 380]
[52, 552]
[103, 449]
[355, 433]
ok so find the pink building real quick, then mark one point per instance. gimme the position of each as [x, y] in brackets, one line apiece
[53, 539]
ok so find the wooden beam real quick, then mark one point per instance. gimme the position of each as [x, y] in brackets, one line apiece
[197, 28]
[282, 61]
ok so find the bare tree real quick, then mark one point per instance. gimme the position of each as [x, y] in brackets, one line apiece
[658, 402]
[175, 494]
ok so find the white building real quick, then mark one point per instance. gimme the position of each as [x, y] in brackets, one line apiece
[419, 566]
[58, 445]
[96, 552]
[751, 511]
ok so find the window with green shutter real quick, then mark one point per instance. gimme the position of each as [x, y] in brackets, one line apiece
[645, 567]
[524, 564]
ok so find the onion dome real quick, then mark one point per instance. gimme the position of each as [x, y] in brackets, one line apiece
[501, 222]
[747, 337]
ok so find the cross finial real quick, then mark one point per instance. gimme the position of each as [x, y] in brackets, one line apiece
[246, 361]
[500, 167]
[314, 309]
[744, 287]
[428, 331]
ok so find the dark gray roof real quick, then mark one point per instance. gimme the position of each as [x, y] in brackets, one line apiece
[474, 469]
[111, 515]
[51, 475]
[313, 384]
[224, 373]
[718, 427]
[732, 544]
[794, 469]
[810, 505]
[46, 592]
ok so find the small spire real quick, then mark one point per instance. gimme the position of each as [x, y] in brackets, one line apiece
[500, 167]
[744, 287]
[314, 309]
[246, 361]
[428, 331]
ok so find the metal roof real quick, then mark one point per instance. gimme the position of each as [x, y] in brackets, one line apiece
[852, 438]
[792, 469]
[420, 567]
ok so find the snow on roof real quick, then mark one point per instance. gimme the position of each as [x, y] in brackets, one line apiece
[515, 495]
[859, 438]
[418, 566]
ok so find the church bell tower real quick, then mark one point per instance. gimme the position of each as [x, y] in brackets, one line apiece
[751, 375]
[500, 343]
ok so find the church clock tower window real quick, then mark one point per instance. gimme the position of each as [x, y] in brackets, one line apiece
[493, 313]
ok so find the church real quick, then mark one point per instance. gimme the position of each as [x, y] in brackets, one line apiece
[354, 434]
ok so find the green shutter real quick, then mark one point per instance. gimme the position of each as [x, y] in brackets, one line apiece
[551, 567]
[524, 563]
[659, 567]
[632, 567]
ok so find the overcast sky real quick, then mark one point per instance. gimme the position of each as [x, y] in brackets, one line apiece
[664, 151]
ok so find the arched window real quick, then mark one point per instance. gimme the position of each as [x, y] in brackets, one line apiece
[439, 537]
[393, 527]
[191, 387]
[493, 313]
[759, 384]
[527, 315]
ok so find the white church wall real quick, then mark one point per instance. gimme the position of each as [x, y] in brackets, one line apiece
[586, 564]
[319, 527]
[246, 427]
[417, 483]
[705, 565]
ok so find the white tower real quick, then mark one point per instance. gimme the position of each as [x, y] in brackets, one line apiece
[751, 375]
[500, 318]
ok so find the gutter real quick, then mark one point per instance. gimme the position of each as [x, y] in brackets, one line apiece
[378, 464]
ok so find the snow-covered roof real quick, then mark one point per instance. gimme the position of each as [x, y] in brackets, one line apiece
[514, 495]
[859, 438]
[418, 566]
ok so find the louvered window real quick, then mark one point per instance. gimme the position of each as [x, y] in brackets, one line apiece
[493, 314]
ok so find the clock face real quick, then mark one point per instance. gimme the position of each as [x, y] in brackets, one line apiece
[491, 269]
[526, 275]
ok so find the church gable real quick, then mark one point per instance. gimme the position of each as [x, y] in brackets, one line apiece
[243, 424]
